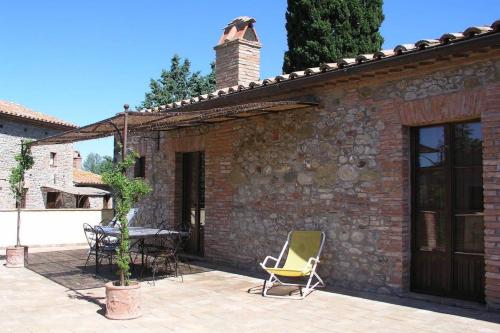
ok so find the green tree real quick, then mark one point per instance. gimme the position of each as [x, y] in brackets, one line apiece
[97, 164]
[126, 193]
[321, 31]
[25, 162]
[178, 83]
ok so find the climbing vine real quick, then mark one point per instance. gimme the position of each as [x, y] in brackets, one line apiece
[126, 193]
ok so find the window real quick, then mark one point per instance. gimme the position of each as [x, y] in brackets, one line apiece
[54, 200]
[52, 161]
[140, 167]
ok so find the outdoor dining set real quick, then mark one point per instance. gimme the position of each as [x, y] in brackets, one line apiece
[157, 247]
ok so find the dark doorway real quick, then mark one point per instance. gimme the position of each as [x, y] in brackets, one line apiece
[193, 199]
[447, 217]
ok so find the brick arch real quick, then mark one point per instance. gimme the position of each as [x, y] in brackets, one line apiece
[458, 106]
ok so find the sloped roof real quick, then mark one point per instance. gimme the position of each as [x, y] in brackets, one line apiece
[86, 177]
[195, 112]
[21, 111]
[91, 191]
[342, 64]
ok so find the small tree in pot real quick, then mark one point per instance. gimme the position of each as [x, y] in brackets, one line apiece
[122, 297]
[15, 254]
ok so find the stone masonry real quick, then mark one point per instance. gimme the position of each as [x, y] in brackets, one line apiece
[341, 167]
[11, 134]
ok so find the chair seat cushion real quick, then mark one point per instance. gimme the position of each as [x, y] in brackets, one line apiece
[288, 272]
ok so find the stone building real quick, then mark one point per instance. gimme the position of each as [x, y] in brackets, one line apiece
[50, 183]
[395, 155]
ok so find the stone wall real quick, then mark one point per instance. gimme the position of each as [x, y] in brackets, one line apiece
[341, 167]
[11, 134]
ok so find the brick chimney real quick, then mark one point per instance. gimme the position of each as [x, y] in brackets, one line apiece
[77, 160]
[237, 55]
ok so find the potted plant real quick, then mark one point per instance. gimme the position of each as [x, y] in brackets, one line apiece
[123, 296]
[15, 254]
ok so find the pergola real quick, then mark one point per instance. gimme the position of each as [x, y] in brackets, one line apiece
[127, 122]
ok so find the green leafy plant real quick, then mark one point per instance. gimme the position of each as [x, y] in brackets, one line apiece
[16, 179]
[177, 83]
[126, 193]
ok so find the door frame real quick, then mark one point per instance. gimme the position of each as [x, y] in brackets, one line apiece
[449, 205]
[184, 215]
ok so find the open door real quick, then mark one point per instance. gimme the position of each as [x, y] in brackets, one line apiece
[193, 199]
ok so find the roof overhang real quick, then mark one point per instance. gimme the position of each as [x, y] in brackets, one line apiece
[168, 120]
[90, 191]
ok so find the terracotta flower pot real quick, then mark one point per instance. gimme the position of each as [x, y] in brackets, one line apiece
[14, 256]
[123, 302]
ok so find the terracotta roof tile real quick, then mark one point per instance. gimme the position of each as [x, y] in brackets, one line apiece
[86, 177]
[18, 110]
[294, 75]
[472, 31]
[382, 54]
[313, 70]
[423, 43]
[399, 50]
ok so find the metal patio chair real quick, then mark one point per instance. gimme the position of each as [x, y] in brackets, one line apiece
[91, 237]
[106, 245]
[162, 251]
[304, 250]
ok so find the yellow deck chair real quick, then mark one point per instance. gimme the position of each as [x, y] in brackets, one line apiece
[304, 249]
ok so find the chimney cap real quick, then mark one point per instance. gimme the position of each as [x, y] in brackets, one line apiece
[241, 20]
[241, 28]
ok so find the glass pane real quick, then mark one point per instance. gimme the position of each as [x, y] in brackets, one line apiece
[469, 189]
[431, 189]
[469, 234]
[468, 144]
[430, 147]
[430, 231]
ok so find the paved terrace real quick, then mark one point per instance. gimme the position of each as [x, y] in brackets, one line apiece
[53, 296]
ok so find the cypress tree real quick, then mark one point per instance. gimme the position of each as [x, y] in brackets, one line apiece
[321, 31]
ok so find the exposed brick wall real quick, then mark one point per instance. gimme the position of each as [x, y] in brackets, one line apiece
[237, 62]
[490, 119]
[342, 167]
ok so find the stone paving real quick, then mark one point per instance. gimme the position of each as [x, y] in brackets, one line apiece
[219, 301]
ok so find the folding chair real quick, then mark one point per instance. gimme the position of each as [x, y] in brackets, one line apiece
[304, 250]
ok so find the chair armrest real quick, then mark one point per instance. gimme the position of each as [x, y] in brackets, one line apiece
[263, 264]
[309, 262]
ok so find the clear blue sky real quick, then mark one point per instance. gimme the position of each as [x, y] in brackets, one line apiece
[81, 61]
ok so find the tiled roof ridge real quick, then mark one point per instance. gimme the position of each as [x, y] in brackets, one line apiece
[21, 111]
[400, 49]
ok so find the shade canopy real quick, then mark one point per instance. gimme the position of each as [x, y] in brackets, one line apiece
[168, 120]
[90, 191]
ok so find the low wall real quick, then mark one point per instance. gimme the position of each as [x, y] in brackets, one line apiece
[44, 227]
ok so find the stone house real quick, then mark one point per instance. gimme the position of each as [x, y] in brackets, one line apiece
[51, 182]
[395, 155]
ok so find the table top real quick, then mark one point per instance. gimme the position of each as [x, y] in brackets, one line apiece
[142, 232]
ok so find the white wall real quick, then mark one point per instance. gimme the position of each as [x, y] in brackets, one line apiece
[45, 227]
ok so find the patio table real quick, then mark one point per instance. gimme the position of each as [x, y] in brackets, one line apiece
[139, 234]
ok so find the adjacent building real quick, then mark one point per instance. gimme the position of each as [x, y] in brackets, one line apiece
[51, 182]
